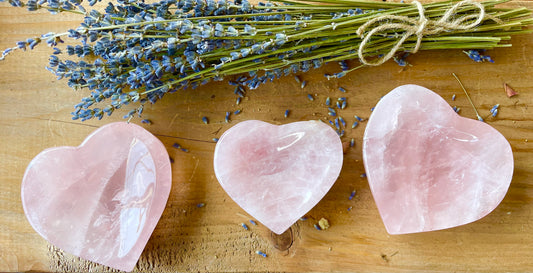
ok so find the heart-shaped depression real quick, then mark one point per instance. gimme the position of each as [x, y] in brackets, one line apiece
[101, 200]
[278, 173]
[430, 169]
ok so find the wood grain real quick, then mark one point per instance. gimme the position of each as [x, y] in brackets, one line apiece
[34, 115]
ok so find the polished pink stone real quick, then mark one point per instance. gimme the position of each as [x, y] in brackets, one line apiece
[278, 173]
[101, 200]
[430, 169]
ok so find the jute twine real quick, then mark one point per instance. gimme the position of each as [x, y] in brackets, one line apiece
[421, 27]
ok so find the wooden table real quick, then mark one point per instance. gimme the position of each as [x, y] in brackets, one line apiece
[35, 114]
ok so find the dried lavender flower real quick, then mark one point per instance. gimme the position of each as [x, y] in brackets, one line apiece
[140, 52]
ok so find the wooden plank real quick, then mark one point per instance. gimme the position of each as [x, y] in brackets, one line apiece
[34, 115]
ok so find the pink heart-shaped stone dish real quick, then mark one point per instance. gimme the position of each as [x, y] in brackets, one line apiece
[429, 168]
[101, 200]
[278, 173]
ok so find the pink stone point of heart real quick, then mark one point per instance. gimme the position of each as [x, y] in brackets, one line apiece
[430, 169]
[101, 200]
[278, 173]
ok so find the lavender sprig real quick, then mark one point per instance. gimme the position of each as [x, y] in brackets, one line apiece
[140, 52]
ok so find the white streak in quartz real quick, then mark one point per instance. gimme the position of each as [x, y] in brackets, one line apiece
[139, 188]
[468, 137]
[427, 167]
[297, 136]
[278, 173]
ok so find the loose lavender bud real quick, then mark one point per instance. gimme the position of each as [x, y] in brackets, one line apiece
[494, 110]
[332, 112]
[343, 122]
[337, 124]
[343, 64]
[352, 195]
[477, 56]
[227, 119]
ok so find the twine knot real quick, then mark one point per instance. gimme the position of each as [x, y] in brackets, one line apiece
[421, 27]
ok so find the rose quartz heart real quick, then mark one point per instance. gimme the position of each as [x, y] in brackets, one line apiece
[278, 173]
[101, 200]
[430, 169]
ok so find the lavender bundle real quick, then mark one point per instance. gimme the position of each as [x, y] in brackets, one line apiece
[136, 52]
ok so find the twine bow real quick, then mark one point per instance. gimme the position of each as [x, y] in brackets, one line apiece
[421, 27]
